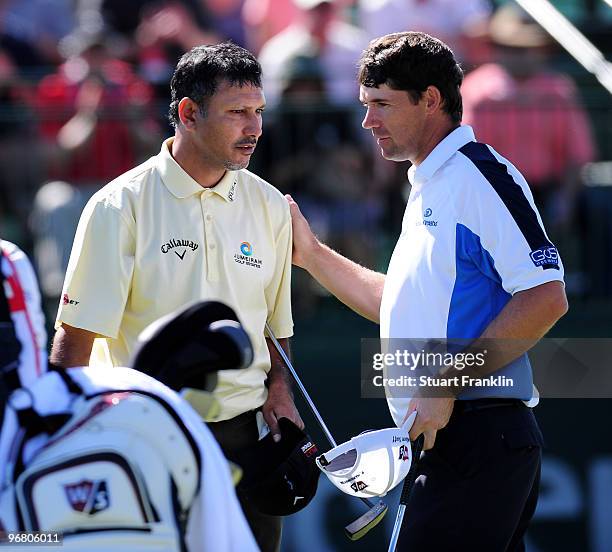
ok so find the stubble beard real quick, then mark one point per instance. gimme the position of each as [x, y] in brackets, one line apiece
[236, 166]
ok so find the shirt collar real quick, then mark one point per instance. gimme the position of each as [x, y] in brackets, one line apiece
[181, 185]
[419, 175]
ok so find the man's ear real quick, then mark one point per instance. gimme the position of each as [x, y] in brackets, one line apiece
[187, 111]
[433, 99]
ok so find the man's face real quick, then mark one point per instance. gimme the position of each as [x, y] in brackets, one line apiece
[395, 121]
[227, 135]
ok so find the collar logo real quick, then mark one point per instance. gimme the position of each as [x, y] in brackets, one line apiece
[245, 257]
[179, 247]
[231, 194]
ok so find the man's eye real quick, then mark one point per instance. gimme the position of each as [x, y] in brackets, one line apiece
[260, 110]
[237, 110]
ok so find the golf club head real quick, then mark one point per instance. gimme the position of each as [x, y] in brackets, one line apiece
[367, 521]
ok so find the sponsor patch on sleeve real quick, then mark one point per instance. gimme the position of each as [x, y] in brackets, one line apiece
[546, 257]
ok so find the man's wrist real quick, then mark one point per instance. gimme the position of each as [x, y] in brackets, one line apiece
[312, 255]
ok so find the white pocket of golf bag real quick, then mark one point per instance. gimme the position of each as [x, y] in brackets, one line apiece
[372, 463]
[105, 480]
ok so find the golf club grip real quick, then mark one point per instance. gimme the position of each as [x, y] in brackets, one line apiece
[417, 447]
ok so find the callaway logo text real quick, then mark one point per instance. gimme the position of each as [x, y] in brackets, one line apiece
[181, 247]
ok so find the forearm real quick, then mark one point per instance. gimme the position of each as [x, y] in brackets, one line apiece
[527, 317]
[71, 347]
[359, 288]
[278, 376]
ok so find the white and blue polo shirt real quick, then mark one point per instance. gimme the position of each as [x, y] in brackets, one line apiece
[471, 238]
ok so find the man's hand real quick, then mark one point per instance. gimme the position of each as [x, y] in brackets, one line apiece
[432, 414]
[304, 241]
[279, 404]
[356, 286]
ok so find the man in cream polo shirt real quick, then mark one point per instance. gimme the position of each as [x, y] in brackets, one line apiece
[189, 224]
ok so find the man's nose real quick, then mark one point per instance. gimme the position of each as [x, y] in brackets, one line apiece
[254, 126]
[369, 120]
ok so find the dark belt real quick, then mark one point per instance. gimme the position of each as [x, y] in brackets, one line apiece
[236, 433]
[236, 421]
[483, 404]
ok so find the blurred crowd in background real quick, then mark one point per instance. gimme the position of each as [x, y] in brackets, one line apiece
[84, 93]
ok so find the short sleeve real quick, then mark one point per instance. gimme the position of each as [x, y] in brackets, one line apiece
[278, 291]
[501, 212]
[99, 272]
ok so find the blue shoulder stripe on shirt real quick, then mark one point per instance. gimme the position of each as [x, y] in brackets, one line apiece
[496, 173]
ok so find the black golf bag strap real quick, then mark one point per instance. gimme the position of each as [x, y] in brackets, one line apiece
[71, 384]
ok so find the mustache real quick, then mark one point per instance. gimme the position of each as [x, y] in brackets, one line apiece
[246, 143]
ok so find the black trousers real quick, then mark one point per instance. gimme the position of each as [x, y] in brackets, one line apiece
[233, 435]
[478, 487]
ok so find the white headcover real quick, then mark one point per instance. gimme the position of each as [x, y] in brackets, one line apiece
[372, 463]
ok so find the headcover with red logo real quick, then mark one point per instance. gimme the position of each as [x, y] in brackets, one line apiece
[279, 478]
[372, 463]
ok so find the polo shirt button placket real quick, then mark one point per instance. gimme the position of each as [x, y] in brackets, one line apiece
[212, 264]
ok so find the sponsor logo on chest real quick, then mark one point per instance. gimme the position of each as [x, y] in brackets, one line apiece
[246, 256]
[179, 247]
[427, 221]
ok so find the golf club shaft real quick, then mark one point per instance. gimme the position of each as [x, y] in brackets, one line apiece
[399, 518]
[306, 396]
[417, 447]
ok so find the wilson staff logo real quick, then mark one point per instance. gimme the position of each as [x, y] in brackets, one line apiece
[87, 496]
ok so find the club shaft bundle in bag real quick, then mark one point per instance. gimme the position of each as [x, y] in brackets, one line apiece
[376, 512]
[417, 447]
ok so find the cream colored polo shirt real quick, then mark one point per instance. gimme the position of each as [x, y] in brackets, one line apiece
[154, 240]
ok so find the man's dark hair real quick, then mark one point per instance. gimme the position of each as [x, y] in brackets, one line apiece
[413, 61]
[199, 71]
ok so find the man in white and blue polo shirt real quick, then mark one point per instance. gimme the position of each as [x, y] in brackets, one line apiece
[472, 262]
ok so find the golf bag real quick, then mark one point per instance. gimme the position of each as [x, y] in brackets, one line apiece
[119, 472]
